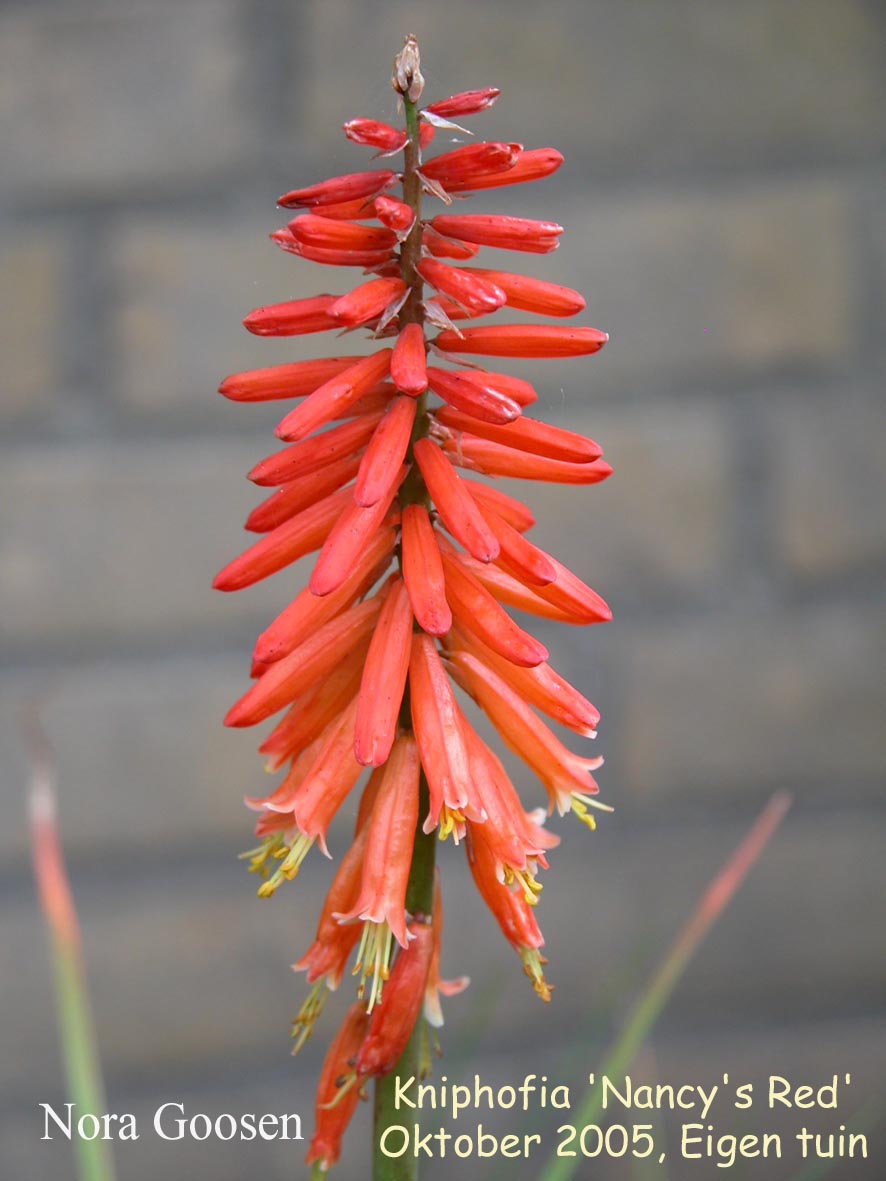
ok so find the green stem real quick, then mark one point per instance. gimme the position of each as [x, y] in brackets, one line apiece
[420, 889]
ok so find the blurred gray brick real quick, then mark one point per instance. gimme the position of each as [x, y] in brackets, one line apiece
[143, 760]
[736, 704]
[710, 84]
[831, 484]
[183, 286]
[120, 543]
[99, 97]
[662, 526]
[32, 261]
[704, 283]
[196, 959]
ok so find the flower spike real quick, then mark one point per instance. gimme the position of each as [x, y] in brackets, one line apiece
[384, 652]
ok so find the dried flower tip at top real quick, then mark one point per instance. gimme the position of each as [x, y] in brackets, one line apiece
[407, 77]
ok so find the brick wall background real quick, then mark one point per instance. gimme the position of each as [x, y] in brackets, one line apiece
[723, 203]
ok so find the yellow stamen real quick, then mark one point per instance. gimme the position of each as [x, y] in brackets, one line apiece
[450, 818]
[531, 886]
[532, 966]
[303, 1024]
[580, 804]
[373, 960]
[290, 863]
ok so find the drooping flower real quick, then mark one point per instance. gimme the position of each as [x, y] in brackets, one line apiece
[374, 671]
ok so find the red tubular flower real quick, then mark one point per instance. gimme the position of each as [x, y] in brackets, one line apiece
[292, 498]
[326, 234]
[514, 388]
[352, 531]
[524, 560]
[331, 256]
[359, 209]
[296, 317]
[505, 233]
[394, 214]
[305, 666]
[333, 943]
[392, 1021]
[386, 452]
[384, 679]
[439, 247]
[468, 392]
[332, 1117]
[409, 363]
[313, 711]
[461, 164]
[338, 188]
[437, 725]
[495, 459]
[423, 572]
[513, 511]
[283, 381]
[367, 302]
[566, 776]
[312, 455]
[454, 503]
[475, 610]
[510, 910]
[334, 397]
[541, 686]
[361, 667]
[532, 295]
[388, 853]
[373, 134]
[523, 340]
[532, 165]
[538, 438]
[305, 532]
[469, 102]
[475, 294]
[300, 619]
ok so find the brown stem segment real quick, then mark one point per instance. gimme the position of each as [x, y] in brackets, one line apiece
[420, 889]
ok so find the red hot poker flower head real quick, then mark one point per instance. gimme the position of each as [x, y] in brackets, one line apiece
[363, 662]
